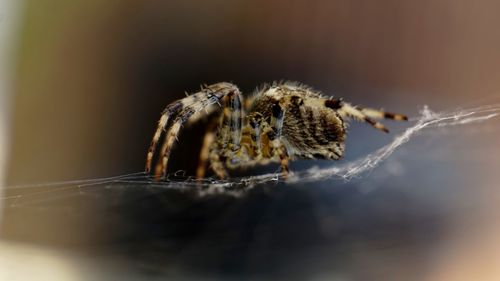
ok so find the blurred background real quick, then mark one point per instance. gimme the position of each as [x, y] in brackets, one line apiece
[83, 84]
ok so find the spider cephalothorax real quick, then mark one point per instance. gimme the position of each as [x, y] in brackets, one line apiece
[279, 122]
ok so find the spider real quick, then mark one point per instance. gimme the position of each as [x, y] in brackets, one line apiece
[281, 121]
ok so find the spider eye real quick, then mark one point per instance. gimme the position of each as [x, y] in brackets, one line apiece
[234, 161]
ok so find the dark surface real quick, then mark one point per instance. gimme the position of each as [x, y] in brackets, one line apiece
[287, 231]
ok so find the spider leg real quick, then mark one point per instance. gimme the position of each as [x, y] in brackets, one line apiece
[255, 134]
[216, 161]
[278, 151]
[229, 134]
[381, 114]
[208, 139]
[345, 109]
[272, 131]
[171, 110]
[209, 110]
[228, 140]
[250, 152]
[171, 136]
[184, 110]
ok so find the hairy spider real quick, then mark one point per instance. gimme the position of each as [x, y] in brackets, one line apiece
[280, 122]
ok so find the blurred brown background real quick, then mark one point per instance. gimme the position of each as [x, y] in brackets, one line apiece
[91, 78]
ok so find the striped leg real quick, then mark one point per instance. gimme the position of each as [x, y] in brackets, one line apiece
[184, 110]
[346, 109]
[255, 148]
[170, 111]
[208, 140]
[380, 114]
[363, 114]
[277, 148]
[217, 161]
[171, 136]
[228, 135]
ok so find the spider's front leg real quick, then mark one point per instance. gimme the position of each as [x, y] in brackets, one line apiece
[227, 144]
[182, 111]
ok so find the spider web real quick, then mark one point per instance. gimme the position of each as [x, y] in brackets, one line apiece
[428, 119]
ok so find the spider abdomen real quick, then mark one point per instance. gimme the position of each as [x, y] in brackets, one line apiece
[314, 132]
[310, 129]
